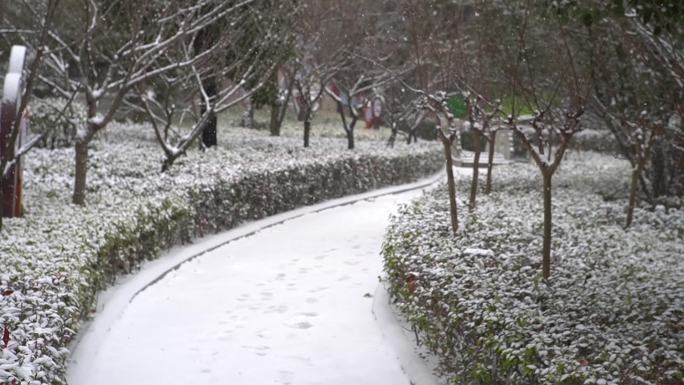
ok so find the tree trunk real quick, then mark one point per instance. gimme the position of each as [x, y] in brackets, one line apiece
[412, 138]
[274, 125]
[350, 134]
[167, 163]
[248, 115]
[343, 117]
[393, 135]
[7, 193]
[633, 188]
[2, 198]
[282, 108]
[660, 183]
[307, 129]
[209, 132]
[546, 248]
[413, 130]
[209, 137]
[490, 163]
[476, 171]
[451, 183]
[81, 158]
[3, 186]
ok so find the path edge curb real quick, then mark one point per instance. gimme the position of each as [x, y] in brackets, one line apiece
[399, 337]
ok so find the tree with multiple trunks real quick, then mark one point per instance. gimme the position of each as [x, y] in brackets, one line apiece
[320, 53]
[251, 53]
[638, 114]
[115, 52]
[547, 72]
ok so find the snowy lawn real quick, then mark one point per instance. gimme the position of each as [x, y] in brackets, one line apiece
[612, 313]
[55, 260]
[325, 124]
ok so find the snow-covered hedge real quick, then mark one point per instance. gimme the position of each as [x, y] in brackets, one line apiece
[57, 121]
[595, 140]
[602, 141]
[54, 261]
[612, 313]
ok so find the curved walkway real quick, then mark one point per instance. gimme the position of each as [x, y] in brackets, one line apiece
[290, 304]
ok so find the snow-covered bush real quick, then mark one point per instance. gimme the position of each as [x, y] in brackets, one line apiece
[595, 140]
[586, 140]
[56, 120]
[610, 314]
[55, 259]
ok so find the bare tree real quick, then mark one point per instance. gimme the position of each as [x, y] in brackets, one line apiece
[352, 89]
[660, 60]
[482, 82]
[430, 63]
[481, 119]
[402, 114]
[447, 133]
[254, 64]
[282, 99]
[357, 82]
[549, 74]
[400, 110]
[116, 51]
[246, 32]
[635, 100]
[309, 83]
[320, 52]
[638, 74]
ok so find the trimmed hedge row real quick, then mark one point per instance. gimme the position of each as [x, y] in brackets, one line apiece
[223, 204]
[611, 314]
[54, 261]
[601, 141]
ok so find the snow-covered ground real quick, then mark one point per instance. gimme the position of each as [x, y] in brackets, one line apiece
[292, 304]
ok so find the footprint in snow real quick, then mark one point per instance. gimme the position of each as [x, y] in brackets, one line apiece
[302, 325]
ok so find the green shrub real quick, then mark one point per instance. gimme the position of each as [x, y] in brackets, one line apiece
[57, 121]
[57, 258]
[611, 312]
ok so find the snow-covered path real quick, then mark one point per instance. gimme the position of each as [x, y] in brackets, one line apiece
[289, 305]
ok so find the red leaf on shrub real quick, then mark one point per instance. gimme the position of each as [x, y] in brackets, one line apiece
[7, 292]
[583, 363]
[411, 283]
[6, 336]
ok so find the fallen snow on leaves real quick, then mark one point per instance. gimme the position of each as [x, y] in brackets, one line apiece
[612, 313]
[55, 259]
